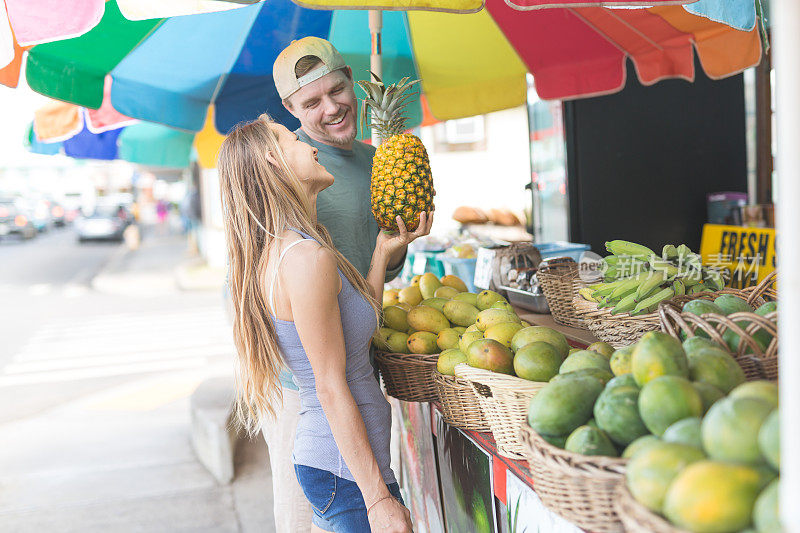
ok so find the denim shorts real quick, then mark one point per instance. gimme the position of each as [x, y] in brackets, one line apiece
[337, 502]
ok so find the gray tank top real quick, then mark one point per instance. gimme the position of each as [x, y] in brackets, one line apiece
[314, 445]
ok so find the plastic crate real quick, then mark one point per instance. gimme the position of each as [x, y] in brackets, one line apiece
[463, 268]
[562, 249]
[433, 264]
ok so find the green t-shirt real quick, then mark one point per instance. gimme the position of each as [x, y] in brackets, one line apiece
[343, 208]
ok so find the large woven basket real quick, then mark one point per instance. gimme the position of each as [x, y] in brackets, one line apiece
[408, 377]
[460, 407]
[504, 401]
[636, 518]
[617, 330]
[560, 282]
[766, 289]
[580, 488]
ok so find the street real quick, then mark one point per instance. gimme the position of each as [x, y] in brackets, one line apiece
[94, 392]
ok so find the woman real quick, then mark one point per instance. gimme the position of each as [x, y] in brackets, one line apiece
[299, 302]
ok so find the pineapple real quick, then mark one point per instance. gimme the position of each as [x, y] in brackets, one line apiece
[401, 182]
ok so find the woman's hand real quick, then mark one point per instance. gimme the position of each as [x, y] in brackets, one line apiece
[389, 516]
[388, 243]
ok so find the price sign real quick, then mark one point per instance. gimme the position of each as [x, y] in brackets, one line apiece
[420, 261]
[483, 268]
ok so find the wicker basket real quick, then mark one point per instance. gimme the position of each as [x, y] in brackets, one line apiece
[756, 362]
[766, 289]
[617, 330]
[581, 488]
[408, 377]
[636, 518]
[504, 401]
[459, 403]
[560, 283]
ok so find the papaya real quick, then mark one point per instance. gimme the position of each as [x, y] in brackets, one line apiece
[657, 354]
[716, 367]
[708, 393]
[424, 318]
[453, 281]
[537, 361]
[557, 441]
[642, 443]
[467, 297]
[584, 359]
[460, 313]
[761, 389]
[447, 339]
[620, 361]
[712, 496]
[625, 380]
[486, 298]
[650, 471]
[617, 413]
[766, 515]
[562, 406]
[587, 440]
[503, 332]
[448, 360]
[602, 348]
[762, 337]
[769, 440]
[489, 354]
[695, 343]
[731, 427]
[667, 399]
[395, 318]
[602, 376]
[687, 431]
[436, 303]
[729, 303]
[468, 338]
[541, 333]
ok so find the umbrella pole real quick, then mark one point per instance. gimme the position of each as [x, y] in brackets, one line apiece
[375, 59]
[786, 27]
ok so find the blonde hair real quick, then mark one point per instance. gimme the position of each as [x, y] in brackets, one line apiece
[260, 201]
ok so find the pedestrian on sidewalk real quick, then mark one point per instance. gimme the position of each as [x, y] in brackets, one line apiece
[298, 301]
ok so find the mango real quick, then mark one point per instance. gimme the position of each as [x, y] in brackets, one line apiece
[422, 342]
[602, 376]
[537, 361]
[395, 318]
[541, 333]
[716, 367]
[379, 340]
[397, 342]
[651, 471]
[584, 359]
[620, 361]
[562, 406]
[424, 318]
[667, 399]
[415, 279]
[460, 330]
[489, 317]
[473, 327]
[455, 282]
[588, 440]
[448, 360]
[436, 303]
[657, 354]
[602, 348]
[525, 324]
[640, 444]
[411, 295]
[469, 297]
[503, 332]
[404, 306]
[460, 313]
[447, 339]
[487, 298]
[489, 354]
[445, 292]
[503, 305]
[468, 338]
[391, 297]
[428, 284]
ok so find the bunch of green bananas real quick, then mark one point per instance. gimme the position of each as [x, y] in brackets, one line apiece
[636, 280]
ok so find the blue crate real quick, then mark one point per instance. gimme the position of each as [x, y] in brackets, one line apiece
[463, 268]
[561, 249]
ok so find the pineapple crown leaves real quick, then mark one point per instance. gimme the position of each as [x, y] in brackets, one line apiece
[387, 103]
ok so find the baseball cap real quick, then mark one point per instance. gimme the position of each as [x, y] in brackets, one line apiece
[286, 81]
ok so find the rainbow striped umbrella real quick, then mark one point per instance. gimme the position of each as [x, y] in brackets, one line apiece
[206, 72]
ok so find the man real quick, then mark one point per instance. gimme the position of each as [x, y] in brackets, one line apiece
[316, 86]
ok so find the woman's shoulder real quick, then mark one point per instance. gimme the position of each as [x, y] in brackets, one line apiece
[310, 264]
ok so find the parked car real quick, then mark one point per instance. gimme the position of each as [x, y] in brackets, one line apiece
[58, 214]
[107, 222]
[15, 220]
